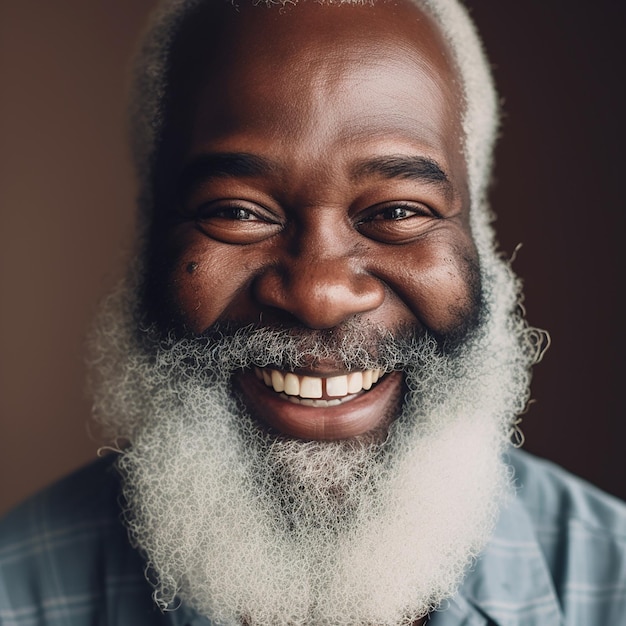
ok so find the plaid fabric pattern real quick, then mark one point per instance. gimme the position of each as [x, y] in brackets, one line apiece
[557, 557]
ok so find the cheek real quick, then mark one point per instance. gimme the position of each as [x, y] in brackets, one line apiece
[451, 293]
[439, 282]
[206, 280]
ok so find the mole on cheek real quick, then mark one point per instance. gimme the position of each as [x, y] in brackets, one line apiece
[192, 267]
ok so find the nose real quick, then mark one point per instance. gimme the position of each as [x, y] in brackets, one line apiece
[320, 288]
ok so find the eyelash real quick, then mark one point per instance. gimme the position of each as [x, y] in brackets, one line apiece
[234, 212]
[236, 221]
[409, 210]
[238, 211]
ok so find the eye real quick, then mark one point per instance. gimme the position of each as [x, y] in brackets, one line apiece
[396, 222]
[236, 222]
[399, 212]
[235, 213]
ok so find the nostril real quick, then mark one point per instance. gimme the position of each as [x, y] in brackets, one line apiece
[318, 296]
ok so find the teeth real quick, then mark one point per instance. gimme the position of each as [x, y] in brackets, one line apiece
[308, 390]
[355, 382]
[317, 403]
[368, 379]
[292, 384]
[337, 386]
[278, 381]
[310, 387]
[267, 377]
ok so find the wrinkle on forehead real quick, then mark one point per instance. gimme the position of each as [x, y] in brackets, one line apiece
[372, 34]
[390, 56]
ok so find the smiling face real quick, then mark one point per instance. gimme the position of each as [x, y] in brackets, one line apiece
[312, 278]
[312, 179]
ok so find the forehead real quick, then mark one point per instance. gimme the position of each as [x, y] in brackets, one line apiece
[325, 72]
[299, 26]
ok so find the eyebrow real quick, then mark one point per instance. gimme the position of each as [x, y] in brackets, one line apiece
[417, 168]
[246, 165]
[223, 165]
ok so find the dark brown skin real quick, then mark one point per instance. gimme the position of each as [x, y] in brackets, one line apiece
[317, 156]
[314, 231]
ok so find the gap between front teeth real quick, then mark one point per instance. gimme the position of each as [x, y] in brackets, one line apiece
[313, 387]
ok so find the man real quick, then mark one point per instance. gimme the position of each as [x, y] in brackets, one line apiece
[315, 366]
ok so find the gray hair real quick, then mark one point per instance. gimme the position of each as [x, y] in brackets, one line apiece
[480, 116]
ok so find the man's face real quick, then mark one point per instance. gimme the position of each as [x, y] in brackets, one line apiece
[312, 252]
[316, 157]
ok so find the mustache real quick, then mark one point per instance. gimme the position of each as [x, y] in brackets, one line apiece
[353, 345]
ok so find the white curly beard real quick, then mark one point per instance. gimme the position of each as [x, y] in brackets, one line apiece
[242, 526]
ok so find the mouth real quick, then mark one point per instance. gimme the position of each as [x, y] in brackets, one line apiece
[317, 391]
[335, 405]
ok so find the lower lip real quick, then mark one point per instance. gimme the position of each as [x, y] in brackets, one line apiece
[368, 411]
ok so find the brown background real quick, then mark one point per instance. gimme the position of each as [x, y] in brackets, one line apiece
[66, 204]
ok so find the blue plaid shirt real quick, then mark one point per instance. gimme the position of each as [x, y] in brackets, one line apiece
[557, 557]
